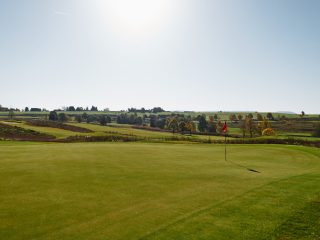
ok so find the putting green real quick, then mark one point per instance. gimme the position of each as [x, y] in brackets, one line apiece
[158, 191]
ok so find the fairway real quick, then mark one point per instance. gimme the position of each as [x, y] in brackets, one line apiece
[158, 191]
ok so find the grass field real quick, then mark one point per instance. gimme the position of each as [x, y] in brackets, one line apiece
[158, 191]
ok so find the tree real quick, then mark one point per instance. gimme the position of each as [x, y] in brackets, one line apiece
[26, 109]
[182, 126]
[172, 124]
[11, 114]
[35, 110]
[316, 132]
[161, 123]
[259, 117]
[250, 126]
[232, 117]
[79, 109]
[240, 117]
[203, 124]
[268, 132]
[212, 127]
[215, 116]
[78, 118]
[270, 116]
[108, 119]
[243, 127]
[91, 118]
[138, 121]
[93, 108]
[264, 124]
[191, 127]
[103, 120]
[250, 115]
[302, 114]
[153, 121]
[157, 110]
[84, 116]
[219, 127]
[53, 116]
[71, 109]
[62, 117]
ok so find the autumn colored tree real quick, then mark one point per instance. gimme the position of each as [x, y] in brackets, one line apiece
[191, 126]
[250, 126]
[232, 117]
[259, 117]
[172, 124]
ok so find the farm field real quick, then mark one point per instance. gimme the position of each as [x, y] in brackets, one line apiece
[114, 129]
[158, 191]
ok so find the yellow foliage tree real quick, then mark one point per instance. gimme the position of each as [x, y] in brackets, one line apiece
[268, 132]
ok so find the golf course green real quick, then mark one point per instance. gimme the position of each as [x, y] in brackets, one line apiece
[158, 191]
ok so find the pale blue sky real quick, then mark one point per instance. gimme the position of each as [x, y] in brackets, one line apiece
[177, 54]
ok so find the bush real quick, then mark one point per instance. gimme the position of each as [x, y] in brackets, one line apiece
[316, 132]
[268, 132]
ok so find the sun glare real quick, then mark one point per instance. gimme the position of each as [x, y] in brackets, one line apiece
[134, 16]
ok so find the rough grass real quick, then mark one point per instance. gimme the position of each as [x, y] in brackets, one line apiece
[155, 191]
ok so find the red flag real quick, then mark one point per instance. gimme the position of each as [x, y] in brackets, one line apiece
[225, 127]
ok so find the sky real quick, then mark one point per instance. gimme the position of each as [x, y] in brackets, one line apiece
[199, 55]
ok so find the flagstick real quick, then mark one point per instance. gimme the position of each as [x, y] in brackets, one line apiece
[225, 146]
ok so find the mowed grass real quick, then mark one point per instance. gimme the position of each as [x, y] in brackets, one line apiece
[158, 191]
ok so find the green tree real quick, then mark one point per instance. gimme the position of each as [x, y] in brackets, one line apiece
[202, 124]
[11, 114]
[78, 118]
[316, 131]
[62, 117]
[85, 116]
[240, 117]
[53, 116]
[270, 116]
[153, 121]
[212, 127]
[71, 108]
[103, 120]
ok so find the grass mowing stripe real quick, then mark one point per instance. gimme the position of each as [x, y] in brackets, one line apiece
[304, 224]
[207, 209]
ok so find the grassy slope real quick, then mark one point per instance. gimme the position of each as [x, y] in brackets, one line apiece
[153, 191]
[127, 129]
[119, 129]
